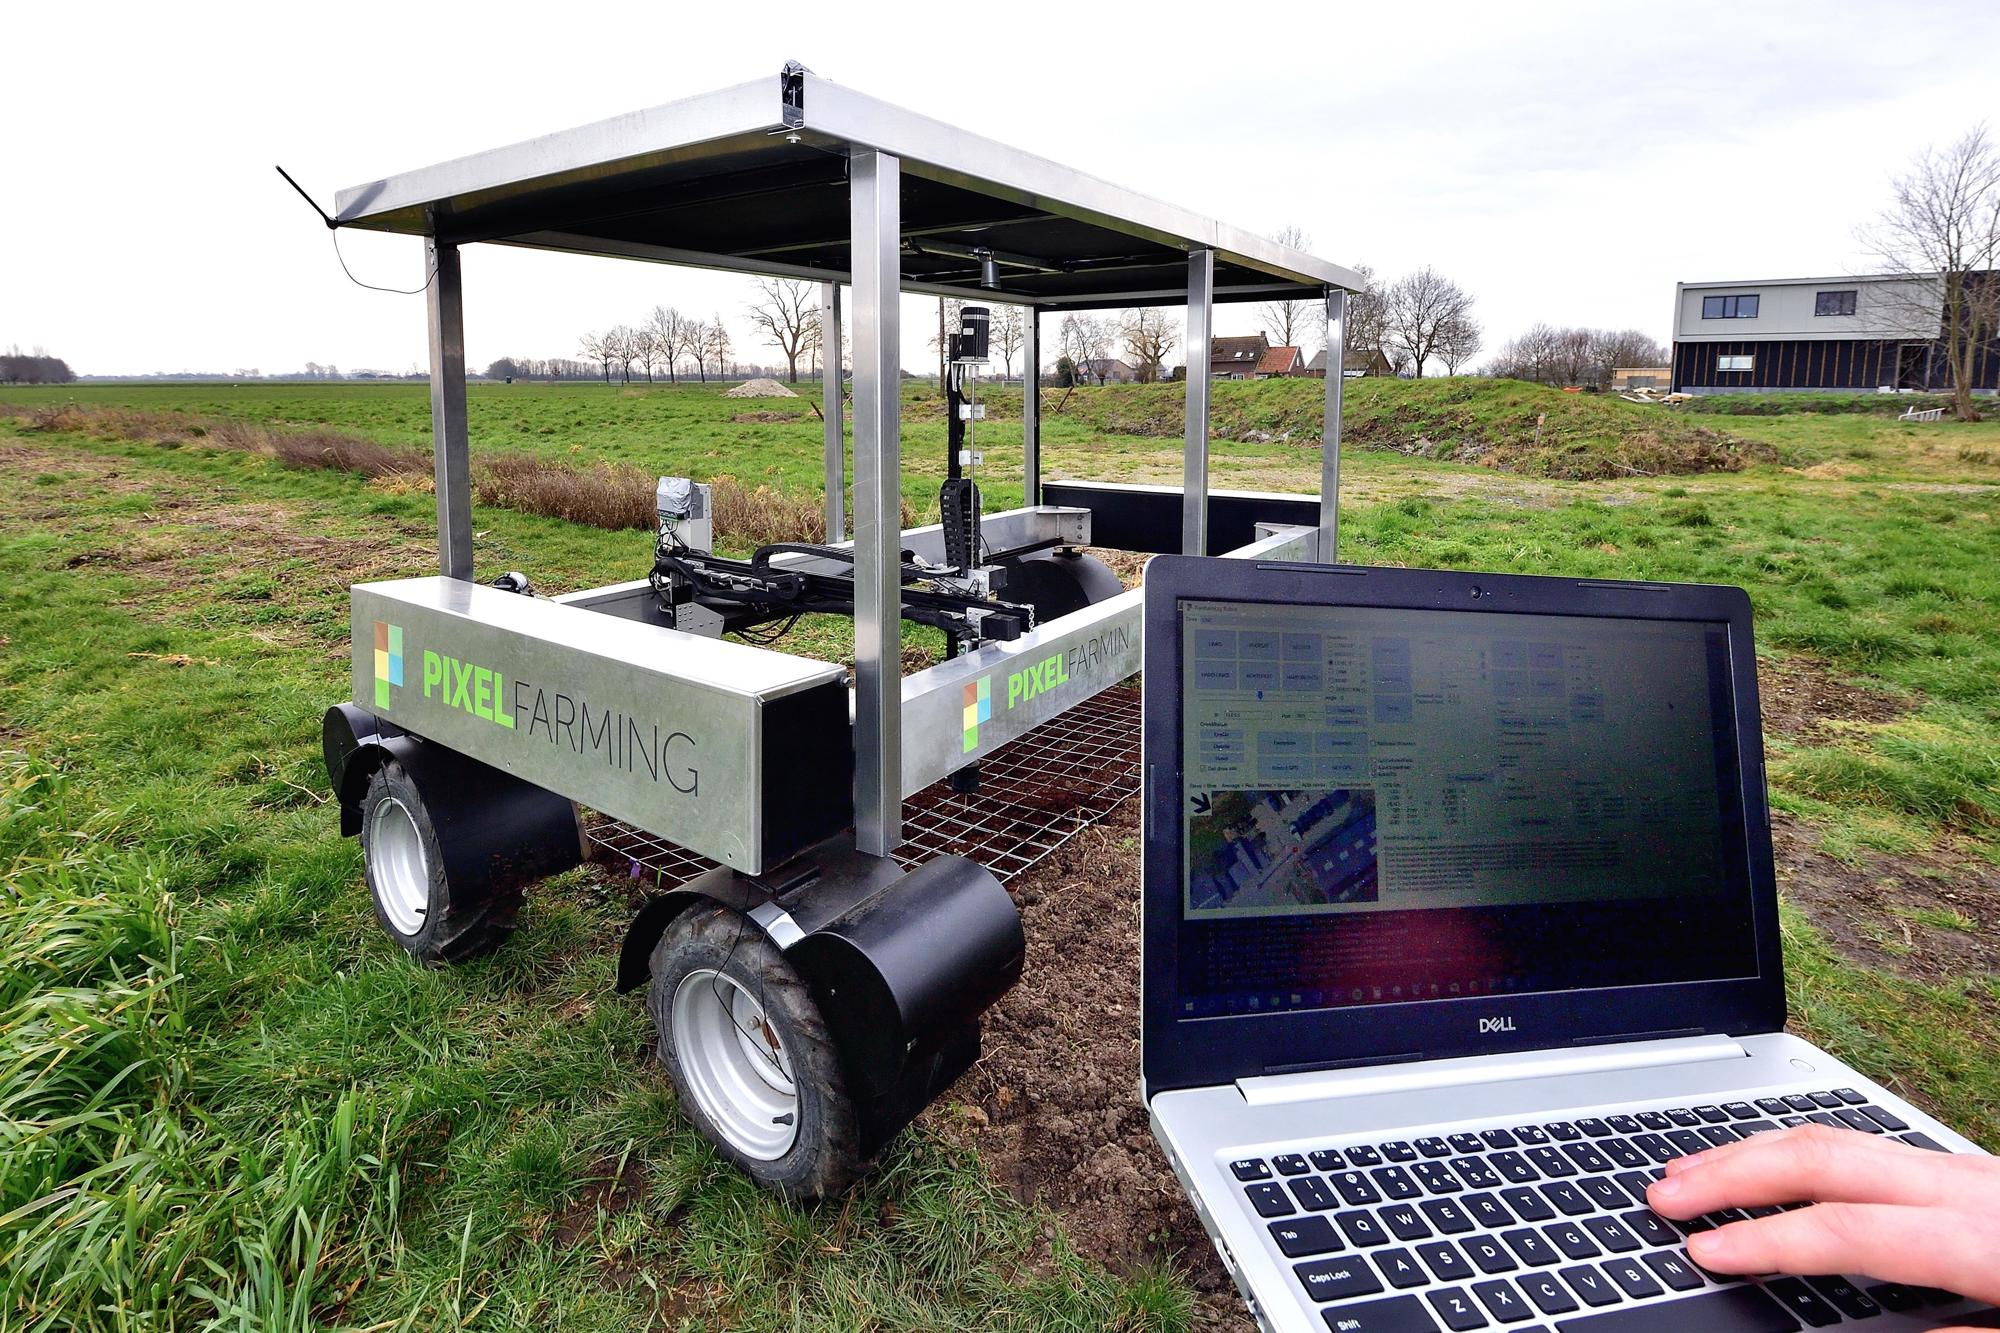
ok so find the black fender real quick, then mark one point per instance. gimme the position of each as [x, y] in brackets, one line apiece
[352, 743]
[901, 964]
[1058, 582]
[495, 831]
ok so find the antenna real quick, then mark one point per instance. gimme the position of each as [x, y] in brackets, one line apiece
[323, 216]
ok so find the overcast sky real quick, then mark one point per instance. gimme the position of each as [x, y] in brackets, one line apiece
[1564, 162]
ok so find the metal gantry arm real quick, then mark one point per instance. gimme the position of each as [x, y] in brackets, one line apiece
[1031, 407]
[450, 443]
[1194, 458]
[875, 217]
[1329, 459]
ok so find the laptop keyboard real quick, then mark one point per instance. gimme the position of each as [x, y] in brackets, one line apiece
[1541, 1227]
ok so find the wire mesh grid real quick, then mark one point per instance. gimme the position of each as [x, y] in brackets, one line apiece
[1035, 793]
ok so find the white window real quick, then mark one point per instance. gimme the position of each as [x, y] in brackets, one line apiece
[1734, 362]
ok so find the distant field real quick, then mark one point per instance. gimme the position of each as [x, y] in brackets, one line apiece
[223, 1094]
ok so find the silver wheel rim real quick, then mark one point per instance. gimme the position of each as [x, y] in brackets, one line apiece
[734, 1066]
[398, 868]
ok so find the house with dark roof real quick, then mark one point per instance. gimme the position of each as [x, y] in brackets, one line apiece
[1236, 358]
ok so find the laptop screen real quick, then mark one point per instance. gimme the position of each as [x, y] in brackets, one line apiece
[1387, 805]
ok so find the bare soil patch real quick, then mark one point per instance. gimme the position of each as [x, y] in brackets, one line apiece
[613, 1187]
[1803, 700]
[1932, 916]
[1053, 1104]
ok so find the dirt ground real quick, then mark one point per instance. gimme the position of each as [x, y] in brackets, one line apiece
[1053, 1104]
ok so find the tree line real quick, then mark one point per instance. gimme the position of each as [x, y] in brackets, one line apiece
[36, 367]
[1546, 354]
[1419, 318]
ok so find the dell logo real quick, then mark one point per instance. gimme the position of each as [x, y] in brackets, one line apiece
[1487, 1025]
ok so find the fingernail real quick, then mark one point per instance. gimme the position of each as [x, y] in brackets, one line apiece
[1666, 1187]
[1707, 1244]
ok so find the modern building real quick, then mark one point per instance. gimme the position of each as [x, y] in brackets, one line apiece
[1853, 333]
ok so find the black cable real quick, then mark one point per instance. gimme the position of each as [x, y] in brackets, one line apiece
[333, 226]
[393, 291]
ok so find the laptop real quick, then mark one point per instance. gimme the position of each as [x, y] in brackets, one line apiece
[1459, 923]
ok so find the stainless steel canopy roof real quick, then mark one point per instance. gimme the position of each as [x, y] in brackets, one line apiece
[754, 179]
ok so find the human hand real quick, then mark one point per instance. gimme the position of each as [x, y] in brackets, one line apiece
[1881, 1208]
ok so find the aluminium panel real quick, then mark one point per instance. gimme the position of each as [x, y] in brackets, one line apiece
[746, 129]
[662, 729]
[604, 148]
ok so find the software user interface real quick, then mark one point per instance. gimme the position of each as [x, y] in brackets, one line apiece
[1383, 805]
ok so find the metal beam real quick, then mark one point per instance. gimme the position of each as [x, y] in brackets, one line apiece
[980, 224]
[451, 449]
[1031, 407]
[1194, 450]
[875, 215]
[1329, 449]
[575, 243]
[834, 409]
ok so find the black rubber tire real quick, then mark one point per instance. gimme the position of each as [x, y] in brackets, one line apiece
[461, 921]
[825, 1158]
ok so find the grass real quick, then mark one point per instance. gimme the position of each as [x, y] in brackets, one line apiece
[226, 1099]
[229, 1101]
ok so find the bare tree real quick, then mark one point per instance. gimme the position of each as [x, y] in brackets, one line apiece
[598, 347]
[664, 328]
[691, 332]
[651, 350]
[1086, 341]
[785, 309]
[625, 347]
[1007, 334]
[1416, 310]
[1458, 342]
[716, 343]
[1941, 233]
[1286, 322]
[1149, 337]
[694, 345]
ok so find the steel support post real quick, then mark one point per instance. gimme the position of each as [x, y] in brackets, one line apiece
[834, 409]
[452, 460]
[875, 218]
[1194, 457]
[1031, 407]
[1329, 455]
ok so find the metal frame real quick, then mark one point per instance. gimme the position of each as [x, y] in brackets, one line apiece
[494, 196]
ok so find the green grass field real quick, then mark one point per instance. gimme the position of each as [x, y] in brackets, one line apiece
[226, 1099]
